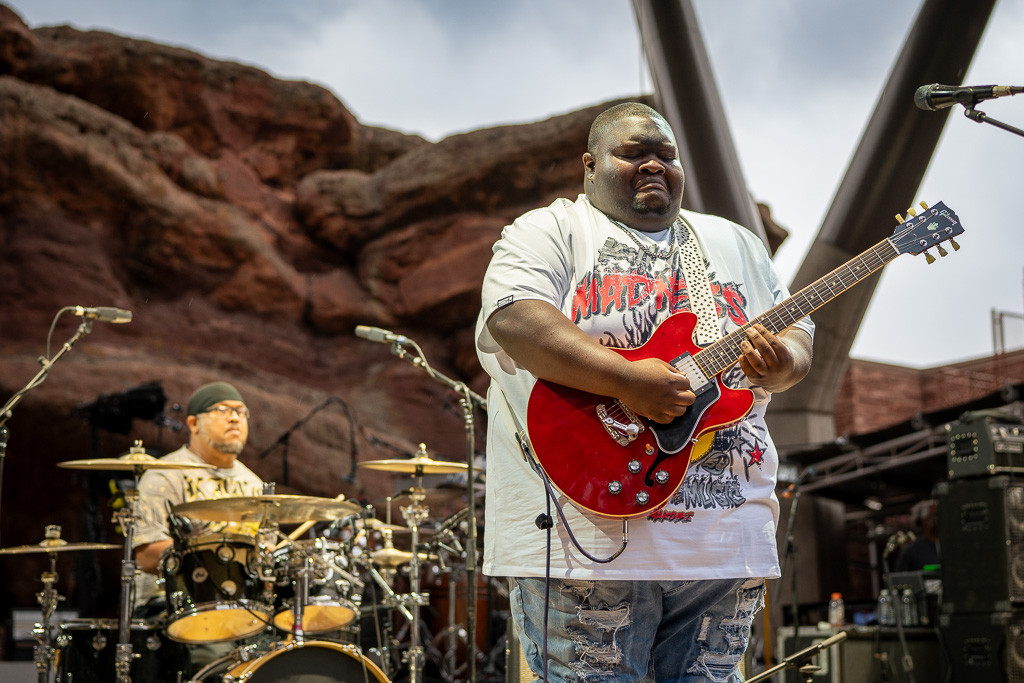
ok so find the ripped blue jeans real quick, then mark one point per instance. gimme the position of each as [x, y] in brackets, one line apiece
[644, 631]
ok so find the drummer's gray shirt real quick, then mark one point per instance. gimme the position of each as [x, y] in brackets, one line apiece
[161, 489]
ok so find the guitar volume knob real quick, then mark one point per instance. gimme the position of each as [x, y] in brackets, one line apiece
[614, 487]
[634, 466]
[661, 476]
[642, 497]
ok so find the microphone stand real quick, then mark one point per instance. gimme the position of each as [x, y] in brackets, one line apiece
[801, 660]
[84, 328]
[468, 400]
[285, 438]
[897, 604]
[789, 553]
[981, 117]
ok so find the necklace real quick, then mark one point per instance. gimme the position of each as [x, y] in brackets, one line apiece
[651, 254]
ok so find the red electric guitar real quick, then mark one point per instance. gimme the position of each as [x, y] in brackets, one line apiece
[613, 463]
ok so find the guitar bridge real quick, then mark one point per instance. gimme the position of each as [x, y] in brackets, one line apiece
[623, 430]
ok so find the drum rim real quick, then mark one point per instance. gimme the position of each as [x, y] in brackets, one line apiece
[263, 620]
[248, 668]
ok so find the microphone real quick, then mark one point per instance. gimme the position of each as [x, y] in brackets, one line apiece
[380, 335]
[934, 97]
[808, 472]
[104, 314]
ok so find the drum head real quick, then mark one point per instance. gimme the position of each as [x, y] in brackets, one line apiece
[218, 623]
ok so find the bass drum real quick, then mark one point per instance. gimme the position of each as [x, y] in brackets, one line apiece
[309, 661]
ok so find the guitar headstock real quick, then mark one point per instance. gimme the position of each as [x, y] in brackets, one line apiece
[929, 228]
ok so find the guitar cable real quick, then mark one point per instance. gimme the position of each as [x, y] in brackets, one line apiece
[546, 523]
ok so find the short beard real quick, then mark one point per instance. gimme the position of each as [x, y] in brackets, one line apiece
[229, 447]
[641, 207]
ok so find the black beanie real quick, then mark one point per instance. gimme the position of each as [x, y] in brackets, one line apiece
[210, 395]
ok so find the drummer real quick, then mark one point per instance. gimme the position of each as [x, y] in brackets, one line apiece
[218, 422]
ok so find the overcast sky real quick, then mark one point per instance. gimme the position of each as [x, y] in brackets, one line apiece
[798, 79]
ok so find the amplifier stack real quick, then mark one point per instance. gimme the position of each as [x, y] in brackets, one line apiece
[981, 537]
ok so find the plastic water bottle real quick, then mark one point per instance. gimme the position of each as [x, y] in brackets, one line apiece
[885, 613]
[836, 611]
[908, 608]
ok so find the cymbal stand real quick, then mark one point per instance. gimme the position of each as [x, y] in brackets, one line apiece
[468, 400]
[43, 652]
[127, 517]
[414, 515]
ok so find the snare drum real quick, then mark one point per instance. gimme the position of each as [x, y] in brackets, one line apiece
[87, 648]
[214, 590]
[309, 660]
[331, 603]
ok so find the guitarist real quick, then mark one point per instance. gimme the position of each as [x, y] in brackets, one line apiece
[566, 284]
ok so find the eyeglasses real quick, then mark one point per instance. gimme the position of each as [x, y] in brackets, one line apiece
[226, 411]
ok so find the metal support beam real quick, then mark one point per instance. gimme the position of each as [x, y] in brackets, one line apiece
[881, 181]
[686, 94]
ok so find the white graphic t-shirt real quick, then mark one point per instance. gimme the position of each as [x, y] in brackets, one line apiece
[720, 522]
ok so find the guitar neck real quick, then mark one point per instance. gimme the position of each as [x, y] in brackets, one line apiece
[716, 357]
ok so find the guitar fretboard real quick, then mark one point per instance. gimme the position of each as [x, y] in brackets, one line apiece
[716, 357]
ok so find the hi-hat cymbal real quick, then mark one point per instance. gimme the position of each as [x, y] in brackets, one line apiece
[132, 461]
[393, 557]
[375, 524]
[419, 465]
[55, 545]
[277, 508]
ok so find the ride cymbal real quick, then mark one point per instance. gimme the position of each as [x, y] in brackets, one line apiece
[55, 545]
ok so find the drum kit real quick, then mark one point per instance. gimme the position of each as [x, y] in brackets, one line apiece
[278, 605]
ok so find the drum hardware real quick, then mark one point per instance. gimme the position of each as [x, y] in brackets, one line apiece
[136, 461]
[468, 402]
[414, 514]
[48, 598]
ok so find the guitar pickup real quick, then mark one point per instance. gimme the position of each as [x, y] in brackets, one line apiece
[687, 364]
[624, 430]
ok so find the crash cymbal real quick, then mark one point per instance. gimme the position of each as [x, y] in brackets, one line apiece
[131, 461]
[282, 509]
[393, 557]
[56, 545]
[418, 466]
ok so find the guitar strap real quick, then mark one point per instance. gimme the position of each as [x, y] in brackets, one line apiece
[698, 287]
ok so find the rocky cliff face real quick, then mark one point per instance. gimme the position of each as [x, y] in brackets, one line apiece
[249, 223]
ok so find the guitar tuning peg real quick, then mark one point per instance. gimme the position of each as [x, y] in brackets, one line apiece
[923, 205]
[911, 212]
[928, 257]
[956, 247]
[942, 252]
[899, 218]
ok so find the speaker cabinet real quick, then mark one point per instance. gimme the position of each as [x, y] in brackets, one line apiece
[985, 647]
[868, 655]
[981, 535]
